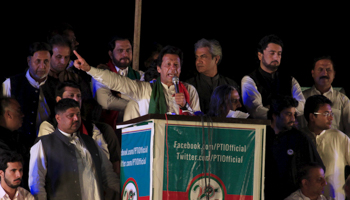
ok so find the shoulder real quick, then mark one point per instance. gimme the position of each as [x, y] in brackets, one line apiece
[189, 87]
[341, 96]
[335, 133]
[25, 193]
[307, 93]
[192, 80]
[228, 80]
[294, 196]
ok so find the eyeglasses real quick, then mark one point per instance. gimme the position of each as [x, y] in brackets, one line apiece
[326, 114]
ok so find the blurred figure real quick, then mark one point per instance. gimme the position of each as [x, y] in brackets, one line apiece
[225, 100]
[312, 182]
[347, 188]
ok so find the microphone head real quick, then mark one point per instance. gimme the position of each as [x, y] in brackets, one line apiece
[175, 80]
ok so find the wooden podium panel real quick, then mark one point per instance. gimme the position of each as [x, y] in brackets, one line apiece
[192, 157]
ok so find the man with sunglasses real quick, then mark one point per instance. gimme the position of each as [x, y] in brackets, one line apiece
[332, 145]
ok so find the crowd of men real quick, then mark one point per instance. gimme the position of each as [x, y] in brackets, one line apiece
[60, 116]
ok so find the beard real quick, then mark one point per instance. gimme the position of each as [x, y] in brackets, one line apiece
[273, 65]
[8, 183]
[121, 65]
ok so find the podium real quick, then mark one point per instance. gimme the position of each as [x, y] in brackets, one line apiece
[192, 157]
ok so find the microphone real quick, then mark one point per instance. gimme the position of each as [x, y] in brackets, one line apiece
[176, 83]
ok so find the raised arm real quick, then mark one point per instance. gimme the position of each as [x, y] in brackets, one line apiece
[80, 63]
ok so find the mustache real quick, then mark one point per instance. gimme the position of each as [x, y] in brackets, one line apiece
[125, 58]
[322, 77]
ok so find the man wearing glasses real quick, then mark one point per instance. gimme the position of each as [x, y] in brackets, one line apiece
[332, 145]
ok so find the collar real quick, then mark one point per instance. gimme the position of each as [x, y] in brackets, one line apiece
[123, 70]
[172, 87]
[33, 82]
[209, 80]
[267, 75]
[4, 194]
[67, 134]
[329, 92]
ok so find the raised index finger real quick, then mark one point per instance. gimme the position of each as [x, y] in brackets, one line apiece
[77, 55]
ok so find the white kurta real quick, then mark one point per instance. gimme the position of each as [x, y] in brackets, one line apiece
[333, 146]
[141, 91]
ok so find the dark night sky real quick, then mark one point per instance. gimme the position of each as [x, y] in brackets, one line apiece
[306, 32]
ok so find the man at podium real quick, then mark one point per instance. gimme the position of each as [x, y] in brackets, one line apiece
[166, 95]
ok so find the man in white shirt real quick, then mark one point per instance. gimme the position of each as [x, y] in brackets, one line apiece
[161, 96]
[68, 165]
[11, 172]
[323, 74]
[332, 145]
[312, 182]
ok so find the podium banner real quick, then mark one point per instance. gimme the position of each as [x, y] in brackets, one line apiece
[192, 159]
[217, 162]
[136, 162]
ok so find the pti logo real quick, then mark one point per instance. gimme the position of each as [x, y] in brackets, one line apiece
[204, 187]
[130, 190]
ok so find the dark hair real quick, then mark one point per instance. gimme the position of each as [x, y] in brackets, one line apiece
[9, 156]
[219, 100]
[304, 171]
[169, 50]
[59, 40]
[313, 104]
[59, 29]
[39, 46]
[151, 73]
[60, 88]
[64, 104]
[265, 41]
[111, 43]
[280, 103]
[324, 57]
[5, 102]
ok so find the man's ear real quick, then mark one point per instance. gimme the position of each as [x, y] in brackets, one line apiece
[7, 114]
[260, 55]
[1, 173]
[58, 98]
[158, 69]
[28, 59]
[58, 118]
[311, 117]
[217, 58]
[304, 183]
[110, 53]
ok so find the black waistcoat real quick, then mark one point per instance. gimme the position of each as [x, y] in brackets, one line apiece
[62, 178]
[28, 97]
[270, 87]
